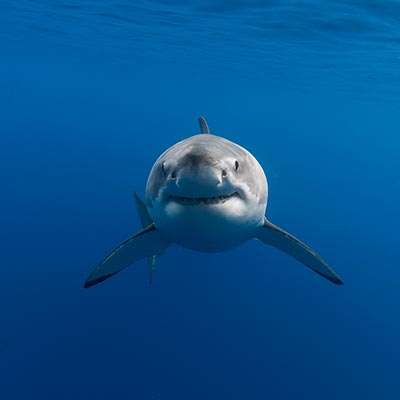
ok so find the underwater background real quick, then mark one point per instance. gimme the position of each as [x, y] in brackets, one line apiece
[91, 92]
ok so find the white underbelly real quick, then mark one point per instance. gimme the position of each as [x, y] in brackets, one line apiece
[205, 228]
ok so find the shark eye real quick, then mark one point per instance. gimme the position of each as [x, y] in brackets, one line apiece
[236, 165]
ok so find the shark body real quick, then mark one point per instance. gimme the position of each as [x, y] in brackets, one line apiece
[207, 194]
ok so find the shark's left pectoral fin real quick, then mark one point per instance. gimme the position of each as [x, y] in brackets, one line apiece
[147, 243]
[284, 241]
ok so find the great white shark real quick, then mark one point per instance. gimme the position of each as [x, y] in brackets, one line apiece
[207, 194]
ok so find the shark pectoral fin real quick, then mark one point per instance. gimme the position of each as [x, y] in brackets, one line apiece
[146, 243]
[146, 220]
[144, 215]
[284, 241]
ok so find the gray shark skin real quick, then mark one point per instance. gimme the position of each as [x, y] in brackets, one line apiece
[207, 194]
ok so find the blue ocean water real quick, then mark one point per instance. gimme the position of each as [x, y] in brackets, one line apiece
[91, 92]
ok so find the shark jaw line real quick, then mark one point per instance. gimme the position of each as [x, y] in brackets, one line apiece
[194, 201]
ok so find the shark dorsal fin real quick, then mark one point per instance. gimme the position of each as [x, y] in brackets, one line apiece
[203, 125]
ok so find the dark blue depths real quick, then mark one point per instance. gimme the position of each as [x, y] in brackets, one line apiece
[92, 92]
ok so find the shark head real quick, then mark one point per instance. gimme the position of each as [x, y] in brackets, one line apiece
[207, 193]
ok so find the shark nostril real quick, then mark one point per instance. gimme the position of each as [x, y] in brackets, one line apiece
[224, 173]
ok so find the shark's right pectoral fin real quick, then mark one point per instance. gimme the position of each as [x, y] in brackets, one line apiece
[146, 220]
[144, 215]
[147, 243]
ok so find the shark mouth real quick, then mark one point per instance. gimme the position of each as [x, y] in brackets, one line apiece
[192, 201]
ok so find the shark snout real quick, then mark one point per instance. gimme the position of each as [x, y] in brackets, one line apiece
[196, 182]
[199, 178]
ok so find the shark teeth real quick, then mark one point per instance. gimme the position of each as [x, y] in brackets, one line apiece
[188, 201]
